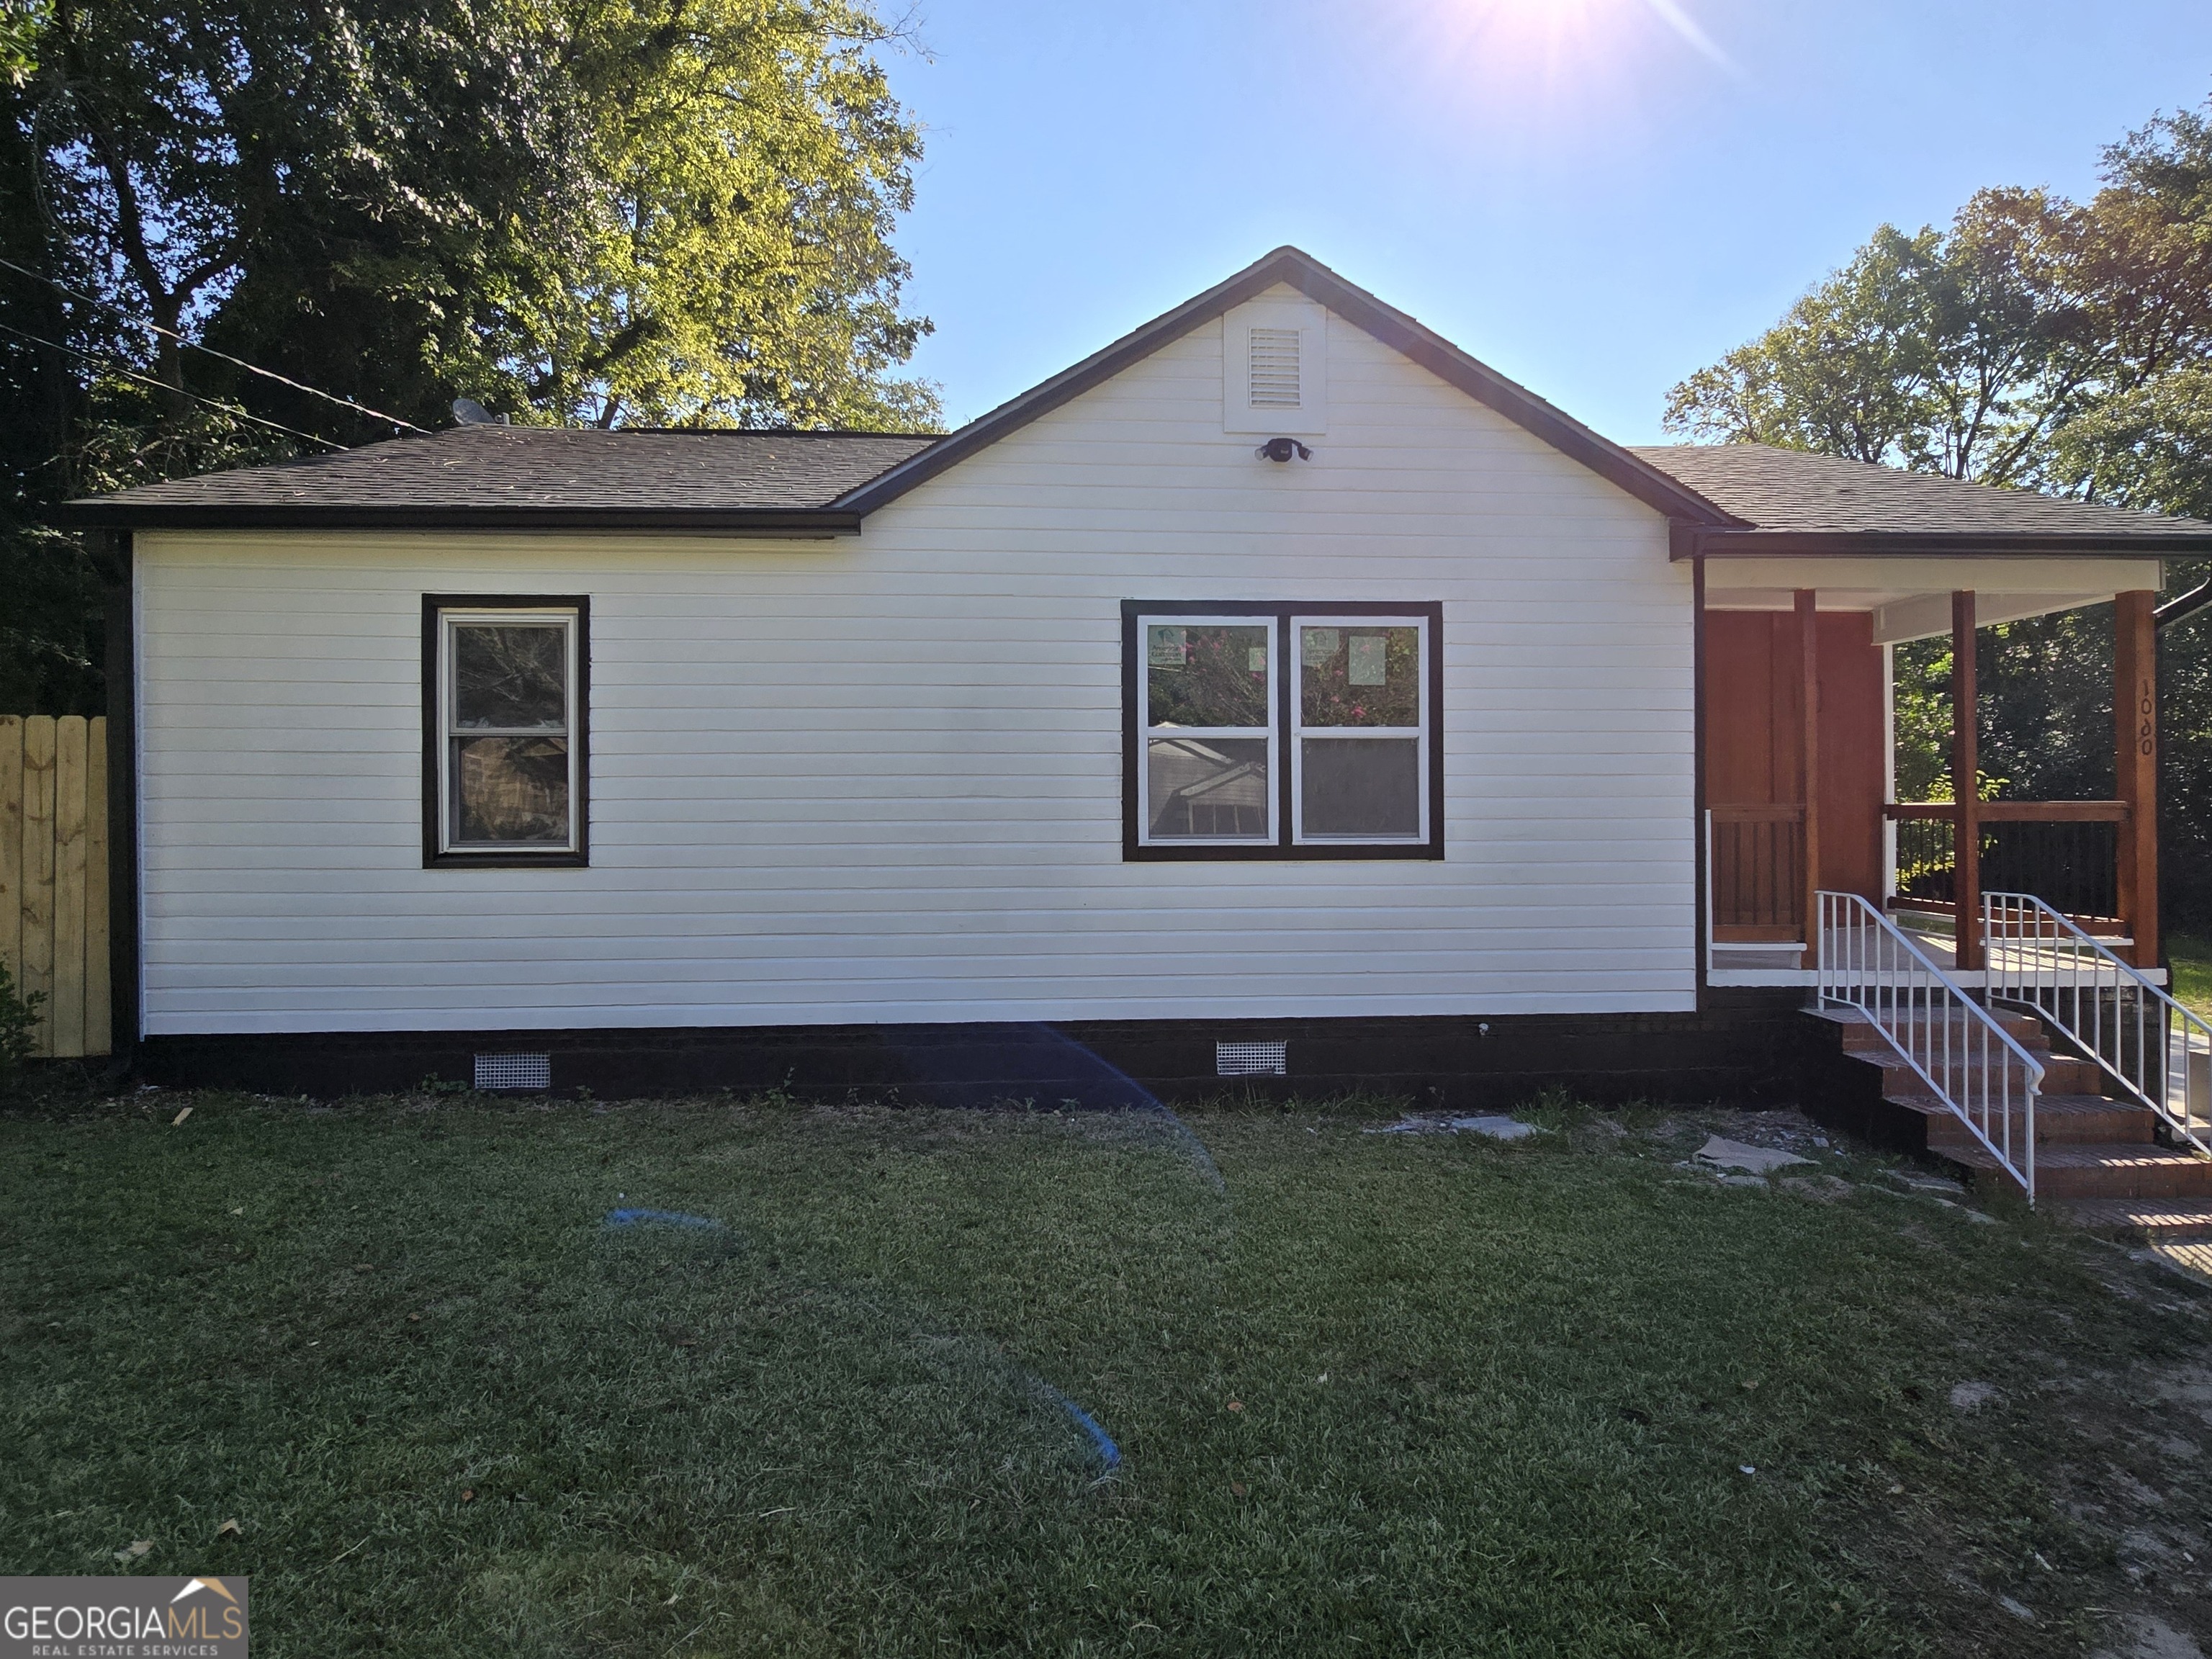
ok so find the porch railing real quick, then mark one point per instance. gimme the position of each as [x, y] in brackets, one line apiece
[2071, 861]
[2149, 1044]
[2067, 852]
[1970, 1063]
[1758, 873]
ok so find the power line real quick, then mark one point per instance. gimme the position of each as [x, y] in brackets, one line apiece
[252, 369]
[162, 385]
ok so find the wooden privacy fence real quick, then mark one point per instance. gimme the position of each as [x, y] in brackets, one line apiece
[53, 874]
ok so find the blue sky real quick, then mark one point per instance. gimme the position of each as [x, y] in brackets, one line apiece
[1595, 197]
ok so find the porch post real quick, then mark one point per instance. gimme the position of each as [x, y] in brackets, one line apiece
[1809, 662]
[1965, 784]
[2135, 720]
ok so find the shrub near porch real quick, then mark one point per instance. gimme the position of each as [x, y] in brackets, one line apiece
[1406, 1394]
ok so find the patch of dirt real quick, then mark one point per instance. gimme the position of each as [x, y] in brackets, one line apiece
[2147, 1636]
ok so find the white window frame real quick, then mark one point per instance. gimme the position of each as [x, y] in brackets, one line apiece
[568, 617]
[1147, 732]
[1301, 621]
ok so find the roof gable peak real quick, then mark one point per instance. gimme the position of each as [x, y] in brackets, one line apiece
[1300, 271]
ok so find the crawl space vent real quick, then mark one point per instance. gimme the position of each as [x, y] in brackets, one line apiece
[1272, 369]
[1251, 1059]
[513, 1071]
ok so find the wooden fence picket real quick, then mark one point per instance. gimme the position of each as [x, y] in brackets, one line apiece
[99, 1034]
[34, 970]
[54, 906]
[11, 840]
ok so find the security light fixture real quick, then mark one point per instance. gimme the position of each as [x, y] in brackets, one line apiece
[1282, 449]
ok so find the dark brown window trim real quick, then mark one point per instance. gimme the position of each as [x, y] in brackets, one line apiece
[580, 734]
[1284, 851]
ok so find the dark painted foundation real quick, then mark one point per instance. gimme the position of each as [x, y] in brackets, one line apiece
[1746, 1048]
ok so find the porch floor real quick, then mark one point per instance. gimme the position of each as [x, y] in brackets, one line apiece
[1784, 963]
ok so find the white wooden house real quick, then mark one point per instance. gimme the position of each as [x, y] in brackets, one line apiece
[1279, 675]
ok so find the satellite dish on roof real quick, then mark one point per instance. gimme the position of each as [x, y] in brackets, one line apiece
[469, 412]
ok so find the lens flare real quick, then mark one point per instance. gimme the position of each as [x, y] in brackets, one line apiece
[1586, 30]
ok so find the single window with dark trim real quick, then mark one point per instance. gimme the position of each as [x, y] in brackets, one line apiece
[1281, 730]
[506, 682]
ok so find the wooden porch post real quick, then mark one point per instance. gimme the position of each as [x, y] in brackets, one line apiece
[1966, 783]
[1809, 662]
[2135, 720]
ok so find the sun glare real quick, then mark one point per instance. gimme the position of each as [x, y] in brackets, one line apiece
[1589, 70]
[1559, 27]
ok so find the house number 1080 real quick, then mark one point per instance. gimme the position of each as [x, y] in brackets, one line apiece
[2146, 706]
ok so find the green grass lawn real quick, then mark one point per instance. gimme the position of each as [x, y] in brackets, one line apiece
[2189, 958]
[1385, 1394]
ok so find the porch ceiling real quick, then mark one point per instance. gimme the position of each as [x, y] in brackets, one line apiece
[1910, 598]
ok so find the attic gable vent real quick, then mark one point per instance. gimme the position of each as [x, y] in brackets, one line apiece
[1272, 369]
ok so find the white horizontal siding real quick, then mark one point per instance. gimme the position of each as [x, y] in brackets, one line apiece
[879, 779]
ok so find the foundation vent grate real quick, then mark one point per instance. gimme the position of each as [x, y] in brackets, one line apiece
[514, 1072]
[1251, 1059]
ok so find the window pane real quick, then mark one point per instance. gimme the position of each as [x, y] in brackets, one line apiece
[1361, 787]
[1208, 790]
[510, 789]
[511, 675]
[1205, 676]
[1360, 676]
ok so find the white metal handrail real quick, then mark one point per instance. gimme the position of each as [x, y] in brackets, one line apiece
[1959, 1049]
[2155, 1048]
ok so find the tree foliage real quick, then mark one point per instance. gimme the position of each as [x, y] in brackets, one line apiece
[2034, 342]
[602, 212]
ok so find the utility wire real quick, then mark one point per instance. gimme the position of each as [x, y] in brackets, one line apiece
[252, 369]
[231, 409]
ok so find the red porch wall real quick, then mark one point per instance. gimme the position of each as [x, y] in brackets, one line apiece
[1754, 723]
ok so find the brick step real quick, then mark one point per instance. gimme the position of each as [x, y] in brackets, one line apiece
[2025, 1029]
[2060, 1120]
[2061, 1075]
[2127, 1171]
[2134, 1218]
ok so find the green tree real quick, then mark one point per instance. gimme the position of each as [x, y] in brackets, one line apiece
[2035, 343]
[597, 212]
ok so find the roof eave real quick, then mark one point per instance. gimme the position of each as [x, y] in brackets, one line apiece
[1638, 477]
[1970, 544]
[112, 513]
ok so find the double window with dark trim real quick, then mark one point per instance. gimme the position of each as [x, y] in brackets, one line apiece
[506, 757]
[1281, 730]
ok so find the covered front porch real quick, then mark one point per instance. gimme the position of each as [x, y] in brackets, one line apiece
[1797, 760]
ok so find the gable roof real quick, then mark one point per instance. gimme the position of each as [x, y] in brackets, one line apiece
[1393, 327]
[1793, 502]
[1726, 499]
[786, 482]
[537, 477]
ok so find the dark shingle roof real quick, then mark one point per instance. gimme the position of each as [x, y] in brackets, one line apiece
[524, 474]
[552, 477]
[1789, 491]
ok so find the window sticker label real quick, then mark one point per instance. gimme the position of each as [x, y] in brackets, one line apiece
[1321, 643]
[1256, 660]
[1167, 646]
[1369, 657]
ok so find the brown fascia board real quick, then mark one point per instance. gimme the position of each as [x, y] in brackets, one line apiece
[95, 513]
[1968, 544]
[1646, 482]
